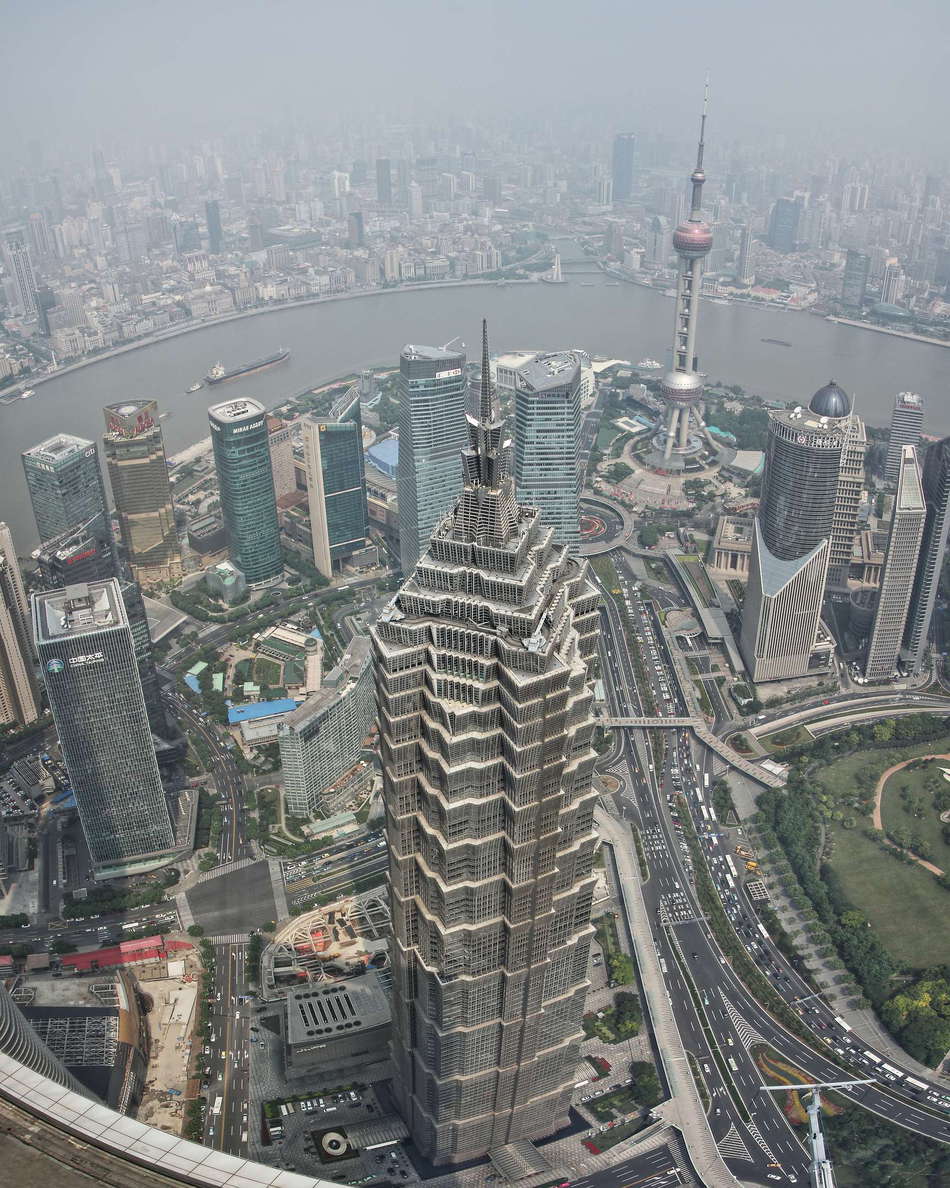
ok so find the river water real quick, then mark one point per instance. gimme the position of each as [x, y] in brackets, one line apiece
[333, 338]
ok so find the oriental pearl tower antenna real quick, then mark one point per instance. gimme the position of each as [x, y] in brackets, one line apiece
[682, 387]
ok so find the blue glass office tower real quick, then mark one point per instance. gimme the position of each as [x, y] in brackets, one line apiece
[433, 432]
[246, 486]
[65, 484]
[87, 657]
[336, 482]
[547, 442]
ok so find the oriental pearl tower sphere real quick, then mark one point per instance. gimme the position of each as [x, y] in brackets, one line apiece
[682, 387]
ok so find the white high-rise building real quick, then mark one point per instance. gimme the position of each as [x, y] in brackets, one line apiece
[892, 283]
[900, 565]
[16, 255]
[321, 740]
[907, 422]
[923, 599]
[745, 274]
[851, 480]
[19, 696]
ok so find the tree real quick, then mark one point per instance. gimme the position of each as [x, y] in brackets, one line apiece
[649, 537]
[195, 930]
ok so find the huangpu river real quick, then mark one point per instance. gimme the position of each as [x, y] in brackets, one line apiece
[334, 338]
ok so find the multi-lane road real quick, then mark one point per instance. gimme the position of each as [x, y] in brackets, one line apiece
[227, 1053]
[719, 1020]
[227, 778]
[659, 1168]
[337, 867]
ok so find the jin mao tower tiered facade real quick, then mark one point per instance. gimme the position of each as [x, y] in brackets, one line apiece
[485, 723]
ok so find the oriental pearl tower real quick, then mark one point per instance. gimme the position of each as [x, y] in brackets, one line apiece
[682, 388]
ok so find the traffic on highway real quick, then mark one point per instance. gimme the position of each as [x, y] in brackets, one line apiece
[721, 1023]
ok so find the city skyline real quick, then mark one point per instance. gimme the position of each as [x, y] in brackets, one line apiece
[732, 39]
[440, 743]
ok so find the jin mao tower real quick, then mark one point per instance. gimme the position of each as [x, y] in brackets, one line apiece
[485, 723]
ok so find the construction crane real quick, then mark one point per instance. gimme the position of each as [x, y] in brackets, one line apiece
[820, 1173]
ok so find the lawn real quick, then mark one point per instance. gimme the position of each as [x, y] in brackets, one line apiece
[785, 738]
[861, 770]
[839, 777]
[901, 901]
[266, 671]
[900, 812]
[614, 1105]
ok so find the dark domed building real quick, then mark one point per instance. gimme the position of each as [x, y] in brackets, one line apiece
[831, 401]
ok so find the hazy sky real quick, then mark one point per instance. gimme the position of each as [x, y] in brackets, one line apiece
[88, 70]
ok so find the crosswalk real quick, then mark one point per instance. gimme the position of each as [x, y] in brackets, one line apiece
[757, 1135]
[748, 1036]
[225, 868]
[680, 1161]
[230, 938]
[731, 1145]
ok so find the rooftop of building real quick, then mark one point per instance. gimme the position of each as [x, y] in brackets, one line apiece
[910, 494]
[908, 400]
[345, 402]
[434, 354]
[129, 408]
[831, 400]
[103, 992]
[335, 683]
[734, 530]
[260, 709]
[549, 371]
[58, 449]
[233, 412]
[819, 425]
[324, 1011]
[385, 451]
[77, 610]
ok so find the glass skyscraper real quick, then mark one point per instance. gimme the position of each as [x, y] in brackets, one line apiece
[246, 485]
[336, 482]
[854, 280]
[547, 442]
[933, 548]
[87, 658]
[907, 423]
[65, 485]
[792, 539]
[69, 505]
[432, 434]
[900, 565]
